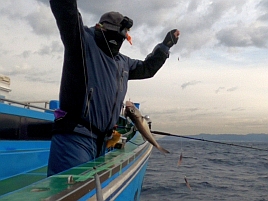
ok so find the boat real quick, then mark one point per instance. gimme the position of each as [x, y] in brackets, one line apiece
[25, 133]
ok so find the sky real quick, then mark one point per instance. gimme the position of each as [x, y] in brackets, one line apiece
[214, 81]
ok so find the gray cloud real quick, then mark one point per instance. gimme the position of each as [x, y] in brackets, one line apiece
[163, 112]
[232, 89]
[196, 21]
[25, 54]
[50, 49]
[205, 25]
[263, 17]
[3, 52]
[16, 70]
[192, 109]
[32, 73]
[46, 2]
[263, 7]
[197, 25]
[238, 109]
[228, 90]
[150, 13]
[45, 50]
[219, 89]
[42, 22]
[243, 36]
[191, 83]
[37, 78]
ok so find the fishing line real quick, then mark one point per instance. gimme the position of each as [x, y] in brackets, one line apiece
[108, 47]
[204, 140]
[119, 82]
[86, 81]
[181, 146]
[85, 73]
[180, 160]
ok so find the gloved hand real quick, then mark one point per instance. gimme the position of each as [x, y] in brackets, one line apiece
[171, 38]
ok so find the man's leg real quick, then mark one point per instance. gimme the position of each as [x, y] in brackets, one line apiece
[69, 150]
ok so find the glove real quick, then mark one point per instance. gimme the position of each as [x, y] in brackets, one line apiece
[115, 138]
[171, 39]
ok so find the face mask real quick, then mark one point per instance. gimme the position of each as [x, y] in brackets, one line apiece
[108, 41]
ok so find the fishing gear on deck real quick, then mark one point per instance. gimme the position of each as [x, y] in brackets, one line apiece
[199, 139]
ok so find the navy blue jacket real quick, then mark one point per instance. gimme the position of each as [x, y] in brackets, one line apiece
[93, 85]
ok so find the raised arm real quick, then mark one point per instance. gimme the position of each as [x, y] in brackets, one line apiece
[155, 60]
[68, 20]
[73, 78]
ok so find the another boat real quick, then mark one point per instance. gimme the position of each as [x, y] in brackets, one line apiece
[25, 132]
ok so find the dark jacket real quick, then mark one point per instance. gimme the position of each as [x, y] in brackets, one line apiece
[93, 85]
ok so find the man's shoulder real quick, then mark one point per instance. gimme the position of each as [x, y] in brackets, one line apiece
[89, 30]
[122, 57]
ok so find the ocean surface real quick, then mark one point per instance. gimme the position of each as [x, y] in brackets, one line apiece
[214, 172]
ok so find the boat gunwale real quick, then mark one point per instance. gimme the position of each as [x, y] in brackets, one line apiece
[130, 156]
[80, 189]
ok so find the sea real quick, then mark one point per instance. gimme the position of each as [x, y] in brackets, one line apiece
[213, 171]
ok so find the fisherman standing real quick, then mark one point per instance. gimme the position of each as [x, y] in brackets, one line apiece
[94, 82]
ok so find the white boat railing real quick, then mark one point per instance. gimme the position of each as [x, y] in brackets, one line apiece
[27, 104]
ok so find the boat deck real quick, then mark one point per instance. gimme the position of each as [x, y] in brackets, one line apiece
[33, 185]
[22, 180]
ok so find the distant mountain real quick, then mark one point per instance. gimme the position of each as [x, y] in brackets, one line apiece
[235, 137]
[225, 137]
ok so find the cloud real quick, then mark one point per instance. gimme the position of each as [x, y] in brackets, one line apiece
[42, 21]
[228, 90]
[219, 89]
[44, 2]
[232, 89]
[31, 53]
[50, 49]
[191, 83]
[245, 32]
[263, 17]
[17, 70]
[192, 109]
[238, 109]
[150, 13]
[263, 7]
[241, 36]
[25, 54]
[197, 21]
[164, 112]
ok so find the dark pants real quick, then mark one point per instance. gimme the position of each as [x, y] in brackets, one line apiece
[69, 150]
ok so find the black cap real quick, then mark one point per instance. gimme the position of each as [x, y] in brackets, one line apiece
[112, 20]
[115, 21]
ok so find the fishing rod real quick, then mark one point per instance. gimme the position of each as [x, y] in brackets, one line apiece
[212, 141]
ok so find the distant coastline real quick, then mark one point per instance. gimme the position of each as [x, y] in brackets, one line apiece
[252, 137]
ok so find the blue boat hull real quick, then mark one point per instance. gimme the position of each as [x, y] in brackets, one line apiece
[22, 156]
[24, 148]
[132, 191]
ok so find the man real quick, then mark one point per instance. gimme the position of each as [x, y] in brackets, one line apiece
[94, 82]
